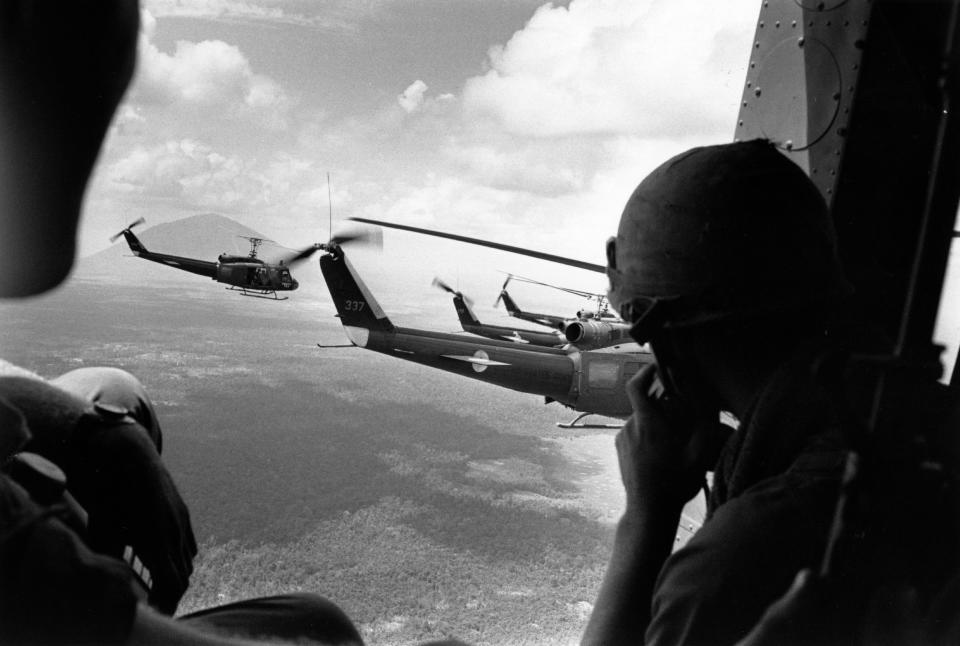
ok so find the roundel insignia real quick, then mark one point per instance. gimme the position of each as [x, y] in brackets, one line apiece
[480, 367]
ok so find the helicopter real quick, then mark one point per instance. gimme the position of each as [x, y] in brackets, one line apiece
[249, 275]
[471, 324]
[586, 331]
[591, 382]
[601, 312]
[590, 329]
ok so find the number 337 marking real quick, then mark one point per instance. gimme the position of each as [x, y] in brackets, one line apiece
[353, 306]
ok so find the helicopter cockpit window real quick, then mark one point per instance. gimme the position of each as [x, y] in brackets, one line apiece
[602, 374]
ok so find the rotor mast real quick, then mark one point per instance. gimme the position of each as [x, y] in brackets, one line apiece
[254, 246]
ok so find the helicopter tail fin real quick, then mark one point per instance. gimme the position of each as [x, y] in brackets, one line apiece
[512, 307]
[132, 241]
[465, 313]
[355, 304]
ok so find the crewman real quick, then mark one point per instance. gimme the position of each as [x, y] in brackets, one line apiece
[725, 262]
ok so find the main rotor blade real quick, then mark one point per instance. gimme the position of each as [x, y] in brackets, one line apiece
[569, 290]
[363, 236]
[255, 239]
[357, 237]
[493, 245]
[301, 255]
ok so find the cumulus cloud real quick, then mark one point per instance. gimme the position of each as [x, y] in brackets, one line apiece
[172, 170]
[614, 67]
[236, 9]
[127, 120]
[412, 98]
[526, 168]
[584, 100]
[194, 176]
[572, 111]
[336, 15]
[210, 76]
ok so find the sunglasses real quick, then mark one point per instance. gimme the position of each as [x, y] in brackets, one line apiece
[647, 316]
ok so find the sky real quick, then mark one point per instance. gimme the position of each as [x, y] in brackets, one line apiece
[524, 122]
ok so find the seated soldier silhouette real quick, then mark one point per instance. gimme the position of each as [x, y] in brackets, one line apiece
[725, 263]
[96, 544]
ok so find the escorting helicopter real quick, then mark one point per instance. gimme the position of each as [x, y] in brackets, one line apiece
[590, 329]
[250, 275]
[601, 312]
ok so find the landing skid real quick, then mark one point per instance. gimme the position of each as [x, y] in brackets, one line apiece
[578, 425]
[268, 294]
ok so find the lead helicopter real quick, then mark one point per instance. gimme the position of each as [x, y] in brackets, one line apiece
[249, 275]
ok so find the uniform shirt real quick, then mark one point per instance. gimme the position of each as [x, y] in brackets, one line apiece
[115, 473]
[52, 588]
[775, 488]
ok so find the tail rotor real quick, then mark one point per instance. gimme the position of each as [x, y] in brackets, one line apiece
[371, 237]
[445, 287]
[136, 223]
[503, 288]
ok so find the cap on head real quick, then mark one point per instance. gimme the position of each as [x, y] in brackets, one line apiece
[724, 231]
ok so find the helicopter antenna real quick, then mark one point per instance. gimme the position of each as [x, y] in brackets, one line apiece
[330, 205]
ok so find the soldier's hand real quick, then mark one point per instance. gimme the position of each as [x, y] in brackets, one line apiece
[662, 451]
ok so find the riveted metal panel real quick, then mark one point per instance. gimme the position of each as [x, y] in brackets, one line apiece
[802, 79]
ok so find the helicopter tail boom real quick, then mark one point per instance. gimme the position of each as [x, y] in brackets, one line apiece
[556, 322]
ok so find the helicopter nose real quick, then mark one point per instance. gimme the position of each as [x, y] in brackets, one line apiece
[296, 284]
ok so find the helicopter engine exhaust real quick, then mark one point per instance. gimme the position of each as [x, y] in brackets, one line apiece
[585, 331]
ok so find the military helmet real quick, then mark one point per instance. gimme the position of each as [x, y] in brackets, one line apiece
[720, 232]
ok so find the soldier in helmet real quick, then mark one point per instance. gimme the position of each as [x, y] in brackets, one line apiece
[725, 262]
